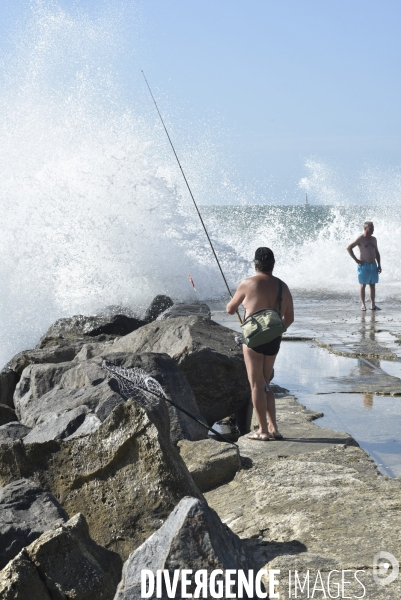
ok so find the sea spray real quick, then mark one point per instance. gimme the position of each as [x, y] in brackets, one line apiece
[92, 213]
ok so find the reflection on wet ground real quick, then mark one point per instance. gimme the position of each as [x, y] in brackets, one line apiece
[316, 377]
[361, 353]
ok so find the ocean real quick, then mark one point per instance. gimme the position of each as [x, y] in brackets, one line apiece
[69, 263]
[95, 212]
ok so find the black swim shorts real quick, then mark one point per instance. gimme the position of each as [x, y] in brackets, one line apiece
[269, 349]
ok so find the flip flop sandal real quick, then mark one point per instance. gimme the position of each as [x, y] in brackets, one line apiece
[276, 436]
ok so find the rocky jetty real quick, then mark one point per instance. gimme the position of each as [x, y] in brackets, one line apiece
[94, 473]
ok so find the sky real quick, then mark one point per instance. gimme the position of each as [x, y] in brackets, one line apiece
[297, 96]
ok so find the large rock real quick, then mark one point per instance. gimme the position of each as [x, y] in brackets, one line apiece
[54, 393]
[26, 511]
[158, 305]
[208, 355]
[7, 414]
[8, 381]
[58, 427]
[63, 562]
[93, 348]
[126, 477]
[54, 350]
[91, 326]
[185, 309]
[20, 580]
[210, 463]
[47, 390]
[11, 432]
[64, 351]
[193, 537]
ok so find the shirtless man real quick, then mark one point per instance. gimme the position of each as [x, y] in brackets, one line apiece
[368, 270]
[256, 293]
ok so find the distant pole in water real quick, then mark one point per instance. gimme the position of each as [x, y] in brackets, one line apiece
[189, 189]
[306, 199]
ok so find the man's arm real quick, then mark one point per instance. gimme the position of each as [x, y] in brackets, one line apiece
[379, 268]
[351, 251]
[288, 316]
[238, 297]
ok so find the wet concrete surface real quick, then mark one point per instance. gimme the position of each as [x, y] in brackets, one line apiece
[348, 368]
[325, 383]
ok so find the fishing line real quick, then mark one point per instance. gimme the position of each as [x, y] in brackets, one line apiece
[189, 189]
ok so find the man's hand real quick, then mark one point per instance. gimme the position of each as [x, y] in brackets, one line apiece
[379, 269]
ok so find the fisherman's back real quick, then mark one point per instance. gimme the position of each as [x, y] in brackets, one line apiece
[261, 291]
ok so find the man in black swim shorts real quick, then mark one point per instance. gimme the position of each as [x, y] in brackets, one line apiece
[256, 293]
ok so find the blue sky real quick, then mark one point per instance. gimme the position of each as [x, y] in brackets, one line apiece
[279, 83]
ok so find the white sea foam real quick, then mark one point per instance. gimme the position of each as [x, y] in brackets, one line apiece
[91, 209]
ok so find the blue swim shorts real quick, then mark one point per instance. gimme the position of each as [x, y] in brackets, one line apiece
[368, 273]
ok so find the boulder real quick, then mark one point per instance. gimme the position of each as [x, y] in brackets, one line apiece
[126, 477]
[52, 393]
[20, 580]
[11, 432]
[75, 342]
[158, 305]
[62, 352]
[210, 463]
[54, 351]
[106, 405]
[208, 355]
[92, 349]
[90, 425]
[193, 537]
[7, 414]
[8, 381]
[58, 427]
[26, 511]
[184, 309]
[47, 390]
[91, 326]
[68, 564]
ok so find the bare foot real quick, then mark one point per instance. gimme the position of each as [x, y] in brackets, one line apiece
[260, 437]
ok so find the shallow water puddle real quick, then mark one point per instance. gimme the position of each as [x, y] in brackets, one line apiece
[315, 376]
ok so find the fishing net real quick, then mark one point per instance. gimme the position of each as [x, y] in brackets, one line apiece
[135, 383]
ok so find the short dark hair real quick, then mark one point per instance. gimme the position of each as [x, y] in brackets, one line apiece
[265, 266]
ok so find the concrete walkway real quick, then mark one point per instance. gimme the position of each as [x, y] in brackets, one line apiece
[316, 502]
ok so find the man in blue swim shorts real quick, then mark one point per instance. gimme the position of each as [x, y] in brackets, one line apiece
[368, 264]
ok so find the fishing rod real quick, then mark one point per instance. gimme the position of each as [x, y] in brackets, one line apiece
[190, 191]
